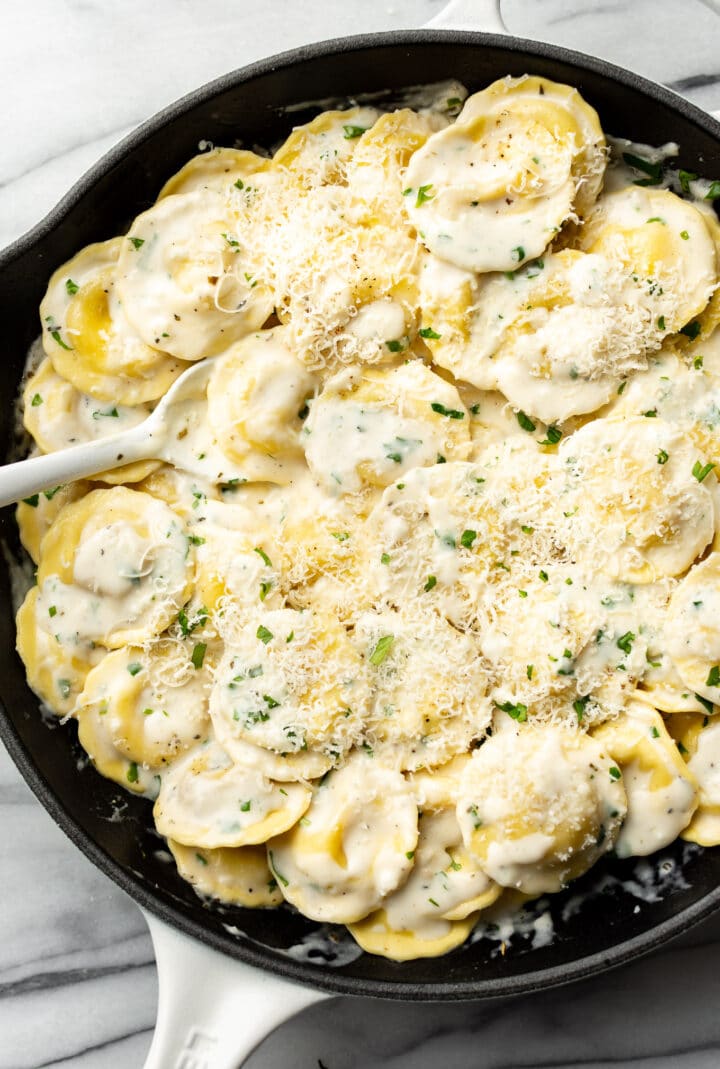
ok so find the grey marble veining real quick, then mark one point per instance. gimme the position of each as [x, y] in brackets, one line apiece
[77, 980]
[676, 42]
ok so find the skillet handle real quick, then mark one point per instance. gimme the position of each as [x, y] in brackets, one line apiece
[484, 16]
[213, 1010]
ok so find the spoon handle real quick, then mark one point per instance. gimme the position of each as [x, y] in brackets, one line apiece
[26, 477]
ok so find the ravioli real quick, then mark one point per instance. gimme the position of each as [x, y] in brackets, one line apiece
[355, 846]
[423, 616]
[91, 342]
[537, 809]
[489, 192]
[114, 567]
[181, 276]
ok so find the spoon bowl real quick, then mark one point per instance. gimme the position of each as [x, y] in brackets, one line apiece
[159, 437]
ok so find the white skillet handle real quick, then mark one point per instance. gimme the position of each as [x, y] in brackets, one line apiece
[481, 15]
[27, 477]
[213, 1010]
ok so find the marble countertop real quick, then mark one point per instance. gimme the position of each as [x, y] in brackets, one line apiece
[77, 978]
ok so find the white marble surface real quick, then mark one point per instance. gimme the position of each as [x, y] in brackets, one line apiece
[77, 978]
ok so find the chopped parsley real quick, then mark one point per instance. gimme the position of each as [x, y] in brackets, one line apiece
[517, 711]
[713, 679]
[691, 330]
[137, 243]
[685, 178]
[134, 668]
[55, 334]
[552, 436]
[655, 733]
[351, 132]
[529, 669]
[525, 422]
[579, 707]
[261, 553]
[341, 536]
[52, 611]
[705, 702]
[32, 501]
[381, 650]
[385, 558]
[112, 413]
[684, 235]
[451, 413]
[467, 538]
[543, 575]
[424, 194]
[428, 332]
[663, 457]
[263, 634]
[518, 253]
[430, 583]
[198, 655]
[71, 287]
[615, 772]
[187, 626]
[37, 400]
[638, 163]
[701, 471]
[132, 772]
[714, 191]
[625, 642]
[255, 716]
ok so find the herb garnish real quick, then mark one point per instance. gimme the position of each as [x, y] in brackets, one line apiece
[381, 650]
[451, 413]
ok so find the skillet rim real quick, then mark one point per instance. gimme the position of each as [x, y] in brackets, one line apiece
[265, 957]
[338, 45]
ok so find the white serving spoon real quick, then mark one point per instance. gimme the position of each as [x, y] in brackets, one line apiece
[165, 435]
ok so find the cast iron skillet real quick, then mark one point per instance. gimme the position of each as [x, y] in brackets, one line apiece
[250, 105]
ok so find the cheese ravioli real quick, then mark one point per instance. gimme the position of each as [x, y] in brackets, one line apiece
[423, 619]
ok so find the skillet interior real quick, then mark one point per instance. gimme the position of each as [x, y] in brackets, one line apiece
[613, 925]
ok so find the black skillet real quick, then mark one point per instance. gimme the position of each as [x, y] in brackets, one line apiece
[206, 998]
